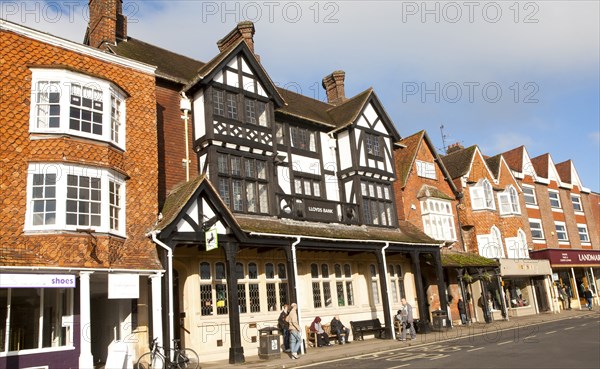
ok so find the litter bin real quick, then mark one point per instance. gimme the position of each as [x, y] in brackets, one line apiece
[269, 343]
[439, 320]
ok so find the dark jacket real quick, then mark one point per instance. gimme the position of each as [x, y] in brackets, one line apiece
[281, 322]
[336, 325]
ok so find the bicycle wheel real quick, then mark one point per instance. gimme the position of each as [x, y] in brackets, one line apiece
[187, 359]
[148, 361]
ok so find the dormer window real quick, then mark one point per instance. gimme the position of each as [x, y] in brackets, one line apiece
[509, 201]
[482, 196]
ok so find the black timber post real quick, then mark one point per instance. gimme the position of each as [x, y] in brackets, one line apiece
[439, 273]
[385, 293]
[291, 275]
[236, 351]
[421, 298]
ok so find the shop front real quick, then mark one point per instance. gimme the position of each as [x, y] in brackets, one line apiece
[576, 270]
[527, 286]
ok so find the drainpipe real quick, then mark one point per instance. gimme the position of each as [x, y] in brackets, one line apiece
[170, 290]
[295, 263]
[389, 307]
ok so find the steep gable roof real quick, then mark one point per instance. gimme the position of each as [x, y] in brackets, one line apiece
[514, 158]
[347, 112]
[493, 164]
[405, 157]
[540, 164]
[170, 65]
[209, 70]
[458, 163]
[568, 174]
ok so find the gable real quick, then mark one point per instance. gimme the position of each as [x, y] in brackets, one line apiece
[234, 66]
[479, 168]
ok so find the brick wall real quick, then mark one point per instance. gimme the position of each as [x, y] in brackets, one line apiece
[591, 207]
[171, 139]
[138, 162]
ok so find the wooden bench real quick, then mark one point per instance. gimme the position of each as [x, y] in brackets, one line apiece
[360, 327]
[312, 336]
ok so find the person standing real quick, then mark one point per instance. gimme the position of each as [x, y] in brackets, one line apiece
[338, 328]
[462, 311]
[406, 317]
[589, 298]
[284, 328]
[294, 327]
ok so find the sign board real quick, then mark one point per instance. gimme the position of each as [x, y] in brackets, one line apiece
[569, 257]
[321, 210]
[37, 280]
[211, 238]
[123, 286]
[555, 277]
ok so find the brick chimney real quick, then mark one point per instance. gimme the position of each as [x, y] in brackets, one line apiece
[454, 147]
[334, 85]
[107, 23]
[243, 30]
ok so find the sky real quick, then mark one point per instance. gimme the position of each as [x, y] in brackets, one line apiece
[497, 74]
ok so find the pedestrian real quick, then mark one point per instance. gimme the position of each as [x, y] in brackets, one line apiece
[284, 328]
[294, 326]
[317, 329]
[462, 311]
[405, 316]
[589, 298]
[340, 329]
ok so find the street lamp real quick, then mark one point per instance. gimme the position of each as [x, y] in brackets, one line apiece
[185, 105]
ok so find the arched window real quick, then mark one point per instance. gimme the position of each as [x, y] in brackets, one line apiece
[482, 196]
[509, 201]
[277, 286]
[396, 282]
[374, 283]
[321, 286]
[213, 288]
[343, 285]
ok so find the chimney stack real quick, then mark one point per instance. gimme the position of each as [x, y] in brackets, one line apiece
[107, 23]
[454, 147]
[334, 85]
[243, 30]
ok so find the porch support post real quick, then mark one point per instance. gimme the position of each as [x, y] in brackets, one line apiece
[439, 273]
[157, 327]
[421, 298]
[385, 295]
[291, 275]
[236, 351]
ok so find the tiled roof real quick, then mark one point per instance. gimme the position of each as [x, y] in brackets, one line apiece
[458, 162]
[304, 107]
[169, 65]
[430, 191]
[347, 112]
[514, 158]
[494, 164]
[540, 165]
[405, 157]
[466, 259]
[564, 171]
[176, 200]
[406, 234]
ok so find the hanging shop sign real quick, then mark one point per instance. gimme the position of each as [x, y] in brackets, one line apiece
[211, 239]
[123, 286]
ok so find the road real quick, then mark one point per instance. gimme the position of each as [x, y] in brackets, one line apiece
[572, 343]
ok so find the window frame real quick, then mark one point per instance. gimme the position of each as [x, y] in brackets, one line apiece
[556, 200]
[508, 201]
[577, 205]
[484, 193]
[113, 118]
[374, 145]
[345, 280]
[63, 171]
[494, 237]
[381, 195]
[541, 228]
[321, 286]
[280, 286]
[300, 139]
[438, 224]
[564, 231]
[580, 227]
[426, 169]
[530, 196]
[247, 182]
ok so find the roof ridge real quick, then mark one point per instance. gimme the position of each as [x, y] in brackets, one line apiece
[160, 47]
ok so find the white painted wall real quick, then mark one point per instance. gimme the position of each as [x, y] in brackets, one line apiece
[198, 108]
[344, 150]
[306, 165]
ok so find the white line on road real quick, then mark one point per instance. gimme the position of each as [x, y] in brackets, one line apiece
[475, 349]
[504, 343]
[566, 329]
[550, 332]
[399, 366]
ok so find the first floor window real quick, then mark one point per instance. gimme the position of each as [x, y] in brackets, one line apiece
[490, 245]
[529, 195]
[39, 318]
[482, 196]
[377, 204]
[242, 183]
[69, 197]
[516, 247]
[438, 219]
[554, 199]
[509, 201]
[583, 233]
[536, 229]
[67, 102]
[576, 200]
[561, 231]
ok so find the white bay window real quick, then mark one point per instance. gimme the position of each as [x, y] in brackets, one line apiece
[71, 197]
[66, 102]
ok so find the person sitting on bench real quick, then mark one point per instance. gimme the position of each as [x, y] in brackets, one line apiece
[338, 328]
[322, 337]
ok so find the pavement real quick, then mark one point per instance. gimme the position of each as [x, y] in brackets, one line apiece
[328, 353]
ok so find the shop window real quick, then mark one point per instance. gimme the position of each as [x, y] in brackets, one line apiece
[374, 284]
[213, 288]
[39, 318]
[517, 292]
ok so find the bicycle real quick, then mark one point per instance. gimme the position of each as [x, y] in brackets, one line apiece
[155, 359]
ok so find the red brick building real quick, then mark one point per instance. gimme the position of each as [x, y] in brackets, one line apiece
[79, 178]
[561, 216]
[492, 225]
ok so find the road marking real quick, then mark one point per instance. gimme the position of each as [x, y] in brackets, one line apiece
[399, 366]
[584, 324]
[566, 329]
[504, 343]
[550, 332]
[475, 349]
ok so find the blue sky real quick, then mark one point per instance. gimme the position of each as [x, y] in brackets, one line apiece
[499, 74]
